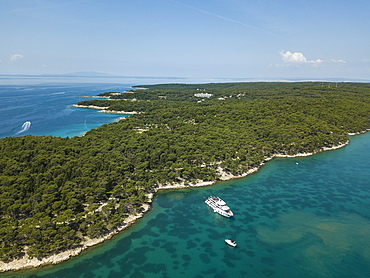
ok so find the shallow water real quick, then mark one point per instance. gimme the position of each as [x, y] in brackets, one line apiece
[296, 217]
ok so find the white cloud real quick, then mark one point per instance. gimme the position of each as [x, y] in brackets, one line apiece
[14, 57]
[296, 57]
[318, 61]
[338, 61]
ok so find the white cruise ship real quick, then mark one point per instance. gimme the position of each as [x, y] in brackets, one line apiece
[219, 206]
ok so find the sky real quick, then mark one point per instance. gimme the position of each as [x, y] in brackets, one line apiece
[307, 39]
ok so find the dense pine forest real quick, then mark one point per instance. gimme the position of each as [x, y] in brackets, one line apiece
[57, 191]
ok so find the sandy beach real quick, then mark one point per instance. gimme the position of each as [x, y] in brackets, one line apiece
[27, 262]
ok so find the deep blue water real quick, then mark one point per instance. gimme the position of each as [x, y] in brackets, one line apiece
[47, 108]
[296, 217]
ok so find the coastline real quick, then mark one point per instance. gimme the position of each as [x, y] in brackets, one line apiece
[104, 109]
[26, 262]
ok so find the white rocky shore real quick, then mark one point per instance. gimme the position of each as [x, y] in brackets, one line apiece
[104, 109]
[27, 262]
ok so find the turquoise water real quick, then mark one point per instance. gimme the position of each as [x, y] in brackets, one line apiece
[47, 108]
[296, 217]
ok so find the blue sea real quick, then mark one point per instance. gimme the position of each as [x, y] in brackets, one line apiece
[44, 109]
[296, 217]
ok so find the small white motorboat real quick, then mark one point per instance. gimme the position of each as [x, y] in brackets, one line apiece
[231, 242]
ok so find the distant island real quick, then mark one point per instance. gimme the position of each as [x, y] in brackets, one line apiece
[79, 191]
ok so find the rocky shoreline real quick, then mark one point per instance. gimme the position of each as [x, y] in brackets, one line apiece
[27, 262]
[104, 109]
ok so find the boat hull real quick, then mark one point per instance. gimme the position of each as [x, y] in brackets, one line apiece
[231, 242]
[219, 206]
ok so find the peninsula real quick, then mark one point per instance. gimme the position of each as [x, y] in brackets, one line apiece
[80, 191]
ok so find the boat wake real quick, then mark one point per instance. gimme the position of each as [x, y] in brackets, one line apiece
[26, 126]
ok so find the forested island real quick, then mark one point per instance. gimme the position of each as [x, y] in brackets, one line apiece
[59, 193]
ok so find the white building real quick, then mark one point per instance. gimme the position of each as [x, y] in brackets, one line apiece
[203, 95]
